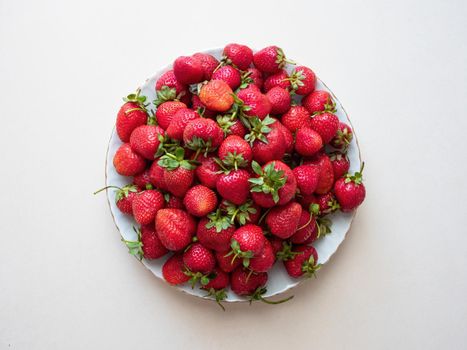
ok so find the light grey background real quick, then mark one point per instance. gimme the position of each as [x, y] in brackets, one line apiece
[398, 281]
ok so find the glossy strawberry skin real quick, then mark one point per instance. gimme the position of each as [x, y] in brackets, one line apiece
[156, 175]
[343, 136]
[264, 261]
[307, 227]
[294, 265]
[125, 204]
[240, 55]
[129, 117]
[307, 142]
[340, 164]
[169, 79]
[127, 162]
[276, 244]
[326, 177]
[256, 77]
[250, 238]
[244, 283]
[226, 262]
[296, 117]
[220, 281]
[237, 128]
[273, 149]
[316, 101]
[228, 74]
[143, 180]
[175, 228]
[179, 122]
[234, 186]
[178, 181]
[288, 137]
[349, 195]
[173, 270]
[327, 203]
[145, 206]
[174, 202]
[217, 96]
[280, 100]
[279, 79]
[307, 177]
[283, 221]
[208, 64]
[205, 129]
[201, 108]
[188, 70]
[235, 145]
[210, 238]
[308, 80]
[152, 246]
[208, 171]
[325, 124]
[166, 111]
[257, 103]
[267, 60]
[198, 258]
[200, 200]
[144, 140]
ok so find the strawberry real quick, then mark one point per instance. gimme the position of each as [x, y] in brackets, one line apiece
[231, 126]
[247, 242]
[235, 152]
[143, 180]
[218, 281]
[307, 142]
[208, 171]
[234, 186]
[297, 117]
[200, 200]
[168, 88]
[145, 206]
[156, 175]
[280, 79]
[178, 172]
[288, 137]
[283, 220]
[302, 80]
[188, 70]
[307, 199]
[252, 76]
[340, 164]
[267, 140]
[280, 100]
[243, 282]
[306, 227]
[199, 107]
[179, 121]
[315, 234]
[224, 260]
[202, 135]
[240, 56]
[343, 137]
[173, 202]
[175, 228]
[173, 270]
[217, 95]
[144, 140]
[247, 212]
[277, 244]
[127, 162]
[264, 261]
[199, 262]
[318, 101]
[350, 191]
[124, 197]
[166, 111]
[253, 102]
[303, 263]
[327, 203]
[228, 74]
[274, 184]
[152, 247]
[131, 115]
[325, 124]
[326, 173]
[270, 60]
[215, 231]
[307, 177]
[208, 64]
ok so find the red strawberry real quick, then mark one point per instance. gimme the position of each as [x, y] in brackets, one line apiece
[264, 261]
[325, 124]
[326, 173]
[280, 79]
[156, 175]
[304, 263]
[143, 180]
[255, 77]
[247, 242]
[243, 282]
[188, 70]
[247, 212]
[277, 244]
[307, 199]
[217, 95]
[146, 205]
[198, 258]
[178, 172]
[307, 142]
[254, 103]
[208, 171]
[123, 197]
[224, 260]
[340, 164]
[306, 228]
[151, 244]
[315, 234]
[127, 162]
[175, 228]
[199, 107]
[215, 232]
[350, 191]
[173, 270]
[318, 101]
[228, 74]
[234, 186]
[200, 200]
[280, 100]
[297, 117]
[173, 202]
[131, 115]
[166, 111]
[273, 185]
[239, 55]
[231, 126]
[307, 177]
[202, 135]
[235, 152]
[219, 281]
[327, 203]
[343, 137]
[144, 140]
[208, 63]
[169, 79]
[288, 137]
[271, 59]
[179, 121]
[303, 80]
[283, 221]
[267, 139]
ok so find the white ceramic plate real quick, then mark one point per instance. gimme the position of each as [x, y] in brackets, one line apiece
[279, 281]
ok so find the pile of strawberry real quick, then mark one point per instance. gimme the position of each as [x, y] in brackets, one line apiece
[236, 168]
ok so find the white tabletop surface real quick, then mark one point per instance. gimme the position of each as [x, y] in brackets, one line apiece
[399, 281]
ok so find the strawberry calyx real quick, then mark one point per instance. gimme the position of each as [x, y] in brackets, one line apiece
[135, 248]
[234, 160]
[140, 100]
[329, 107]
[241, 213]
[258, 129]
[219, 221]
[166, 145]
[218, 294]
[225, 122]
[258, 295]
[200, 146]
[196, 277]
[296, 80]
[324, 226]
[122, 192]
[281, 60]
[167, 94]
[238, 253]
[246, 80]
[336, 156]
[357, 177]
[343, 138]
[310, 266]
[177, 159]
[286, 252]
[269, 180]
